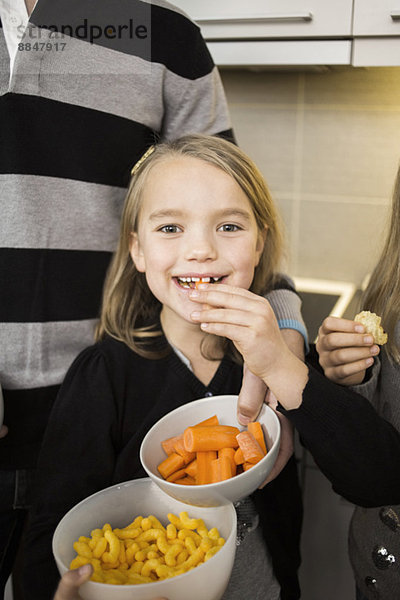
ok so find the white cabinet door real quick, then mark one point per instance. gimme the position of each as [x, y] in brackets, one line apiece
[376, 33]
[266, 19]
[376, 18]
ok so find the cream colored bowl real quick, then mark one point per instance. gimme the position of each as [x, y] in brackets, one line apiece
[119, 505]
[213, 494]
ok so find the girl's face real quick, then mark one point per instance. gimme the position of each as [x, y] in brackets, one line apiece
[195, 223]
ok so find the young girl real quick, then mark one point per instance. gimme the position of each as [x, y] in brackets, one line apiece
[197, 211]
[355, 439]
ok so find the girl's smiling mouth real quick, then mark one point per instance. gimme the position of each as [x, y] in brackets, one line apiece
[189, 282]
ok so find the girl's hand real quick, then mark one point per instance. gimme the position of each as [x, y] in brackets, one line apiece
[286, 447]
[245, 318]
[345, 351]
[251, 397]
[249, 321]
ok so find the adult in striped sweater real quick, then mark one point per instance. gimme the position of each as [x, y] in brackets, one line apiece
[85, 88]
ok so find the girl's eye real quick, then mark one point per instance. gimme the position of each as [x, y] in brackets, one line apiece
[170, 229]
[229, 227]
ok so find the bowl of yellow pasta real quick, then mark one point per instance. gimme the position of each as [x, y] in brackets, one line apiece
[143, 544]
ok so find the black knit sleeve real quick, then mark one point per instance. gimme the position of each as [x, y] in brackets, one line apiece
[355, 448]
[76, 460]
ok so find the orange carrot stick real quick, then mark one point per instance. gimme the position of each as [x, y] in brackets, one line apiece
[203, 475]
[208, 422]
[191, 468]
[230, 453]
[203, 439]
[247, 465]
[180, 449]
[176, 475]
[221, 469]
[186, 481]
[256, 429]
[251, 449]
[239, 458]
[168, 444]
[172, 463]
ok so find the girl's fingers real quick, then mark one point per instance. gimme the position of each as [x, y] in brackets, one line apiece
[228, 297]
[343, 340]
[233, 332]
[222, 316]
[251, 396]
[351, 355]
[331, 324]
[345, 371]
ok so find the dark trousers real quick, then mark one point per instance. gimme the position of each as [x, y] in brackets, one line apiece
[15, 495]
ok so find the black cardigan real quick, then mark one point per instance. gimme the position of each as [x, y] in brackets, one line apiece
[356, 448]
[109, 400]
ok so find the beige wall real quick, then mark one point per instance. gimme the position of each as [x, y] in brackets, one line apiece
[328, 143]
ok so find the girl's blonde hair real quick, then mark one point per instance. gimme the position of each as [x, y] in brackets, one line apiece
[382, 294]
[130, 311]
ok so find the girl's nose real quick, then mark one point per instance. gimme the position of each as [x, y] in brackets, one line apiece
[201, 248]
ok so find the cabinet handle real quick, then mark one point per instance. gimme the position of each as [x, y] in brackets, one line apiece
[395, 15]
[271, 18]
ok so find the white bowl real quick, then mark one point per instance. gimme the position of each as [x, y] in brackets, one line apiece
[118, 505]
[213, 494]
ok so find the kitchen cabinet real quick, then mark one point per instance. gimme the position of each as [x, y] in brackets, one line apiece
[376, 18]
[376, 32]
[299, 32]
[274, 32]
[261, 19]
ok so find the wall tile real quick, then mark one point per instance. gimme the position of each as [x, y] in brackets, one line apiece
[354, 86]
[328, 144]
[350, 153]
[267, 135]
[339, 241]
[267, 87]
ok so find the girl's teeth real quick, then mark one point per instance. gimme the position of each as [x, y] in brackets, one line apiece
[198, 279]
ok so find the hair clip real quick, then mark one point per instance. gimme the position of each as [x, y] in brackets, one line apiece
[136, 166]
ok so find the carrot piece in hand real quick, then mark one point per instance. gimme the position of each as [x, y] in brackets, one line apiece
[221, 469]
[239, 458]
[256, 429]
[203, 439]
[172, 463]
[251, 449]
[230, 453]
[203, 475]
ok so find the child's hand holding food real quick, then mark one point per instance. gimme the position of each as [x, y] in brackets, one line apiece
[245, 318]
[346, 349]
[249, 321]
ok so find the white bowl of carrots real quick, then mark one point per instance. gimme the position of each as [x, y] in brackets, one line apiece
[200, 454]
